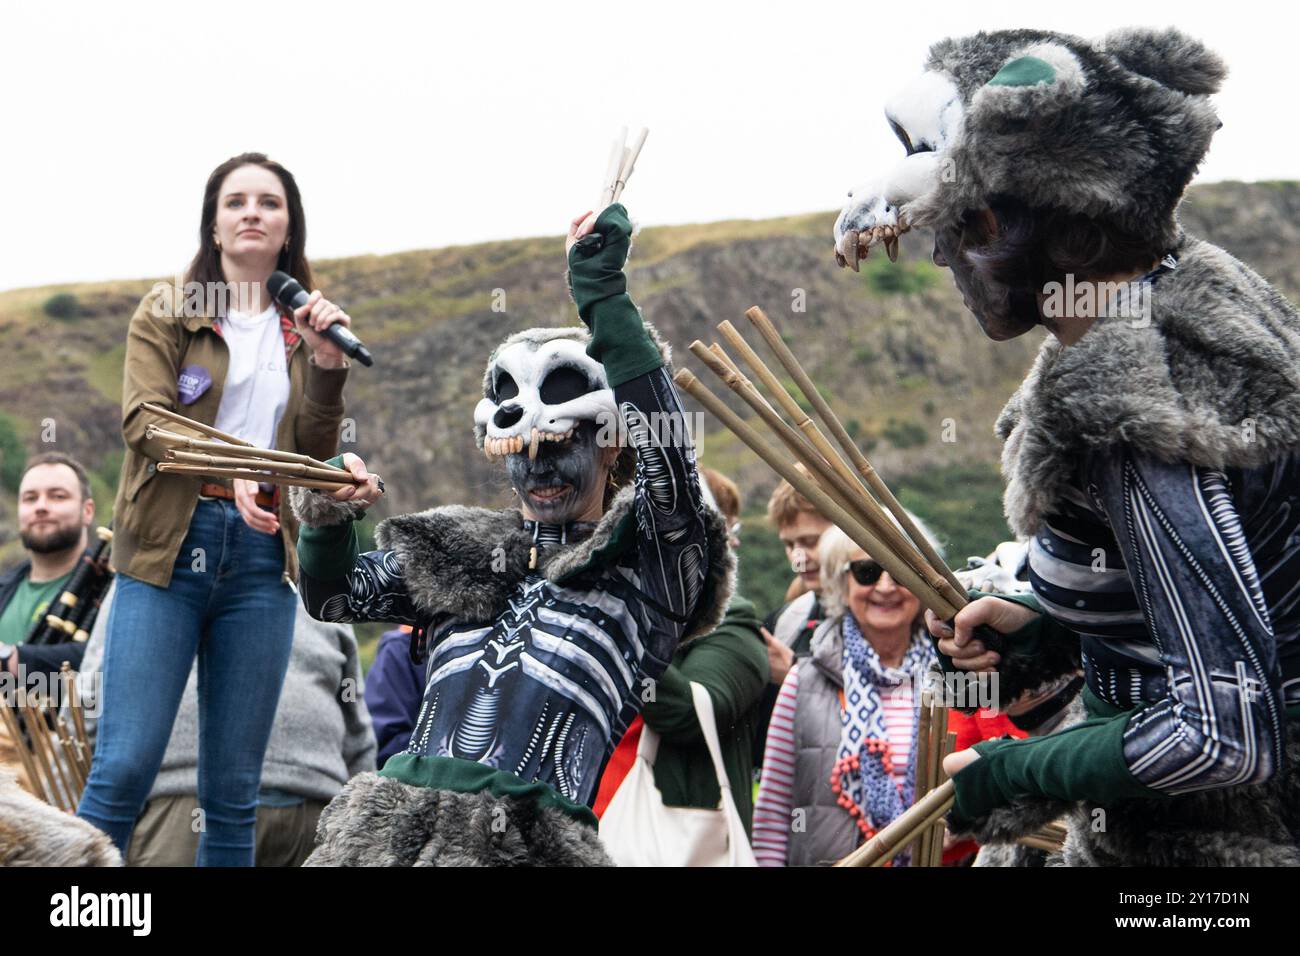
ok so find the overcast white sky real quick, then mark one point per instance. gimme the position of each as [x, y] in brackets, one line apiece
[421, 125]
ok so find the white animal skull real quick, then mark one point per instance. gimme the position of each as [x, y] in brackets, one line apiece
[539, 385]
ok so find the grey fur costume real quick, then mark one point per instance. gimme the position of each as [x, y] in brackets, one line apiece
[1113, 130]
[377, 821]
[33, 833]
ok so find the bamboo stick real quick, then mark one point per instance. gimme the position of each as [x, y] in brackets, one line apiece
[721, 365]
[77, 729]
[175, 440]
[1037, 842]
[947, 743]
[846, 492]
[828, 481]
[179, 419]
[9, 717]
[41, 749]
[174, 468]
[922, 786]
[71, 758]
[895, 837]
[832, 422]
[269, 465]
[78, 718]
[937, 574]
[1054, 831]
[49, 737]
[897, 568]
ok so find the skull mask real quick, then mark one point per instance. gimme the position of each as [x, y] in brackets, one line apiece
[547, 412]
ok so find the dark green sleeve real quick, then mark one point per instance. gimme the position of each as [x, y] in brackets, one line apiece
[731, 663]
[1083, 762]
[619, 340]
[328, 552]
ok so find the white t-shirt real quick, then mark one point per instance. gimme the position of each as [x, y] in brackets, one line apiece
[256, 390]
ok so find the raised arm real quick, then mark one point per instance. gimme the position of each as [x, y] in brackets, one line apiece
[672, 539]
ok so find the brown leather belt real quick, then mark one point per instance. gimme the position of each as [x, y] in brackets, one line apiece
[265, 499]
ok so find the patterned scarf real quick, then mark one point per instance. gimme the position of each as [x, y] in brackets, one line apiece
[873, 788]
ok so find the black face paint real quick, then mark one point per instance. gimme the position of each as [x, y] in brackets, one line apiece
[1001, 312]
[574, 463]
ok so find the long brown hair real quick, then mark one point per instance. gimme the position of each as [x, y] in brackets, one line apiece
[206, 265]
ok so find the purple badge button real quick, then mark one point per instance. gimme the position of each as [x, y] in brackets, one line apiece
[194, 380]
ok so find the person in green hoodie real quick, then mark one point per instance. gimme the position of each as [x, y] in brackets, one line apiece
[731, 663]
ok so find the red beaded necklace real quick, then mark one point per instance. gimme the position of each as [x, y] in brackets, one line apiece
[850, 765]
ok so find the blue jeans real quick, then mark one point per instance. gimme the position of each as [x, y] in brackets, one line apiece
[228, 604]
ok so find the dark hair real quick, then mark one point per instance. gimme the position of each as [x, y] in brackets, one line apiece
[1033, 247]
[59, 458]
[206, 265]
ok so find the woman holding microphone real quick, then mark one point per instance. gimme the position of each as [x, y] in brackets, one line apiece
[206, 567]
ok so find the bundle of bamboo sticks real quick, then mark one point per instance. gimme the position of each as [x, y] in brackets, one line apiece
[231, 457]
[933, 743]
[854, 497]
[54, 749]
[851, 494]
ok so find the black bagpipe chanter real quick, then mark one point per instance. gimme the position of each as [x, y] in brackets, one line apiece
[45, 727]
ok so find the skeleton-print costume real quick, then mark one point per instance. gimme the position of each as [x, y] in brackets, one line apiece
[1153, 465]
[541, 638]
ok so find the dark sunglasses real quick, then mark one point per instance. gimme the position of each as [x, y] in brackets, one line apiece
[866, 571]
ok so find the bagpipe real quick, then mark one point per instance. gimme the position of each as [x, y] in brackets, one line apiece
[47, 729]
[71, 617]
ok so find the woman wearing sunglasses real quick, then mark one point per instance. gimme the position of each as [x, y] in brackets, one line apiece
[838, 764]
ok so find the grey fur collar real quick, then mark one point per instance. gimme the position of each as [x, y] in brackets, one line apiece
[1212, 380]
[467, 561]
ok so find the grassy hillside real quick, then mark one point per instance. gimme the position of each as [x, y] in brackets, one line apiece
[907, 370]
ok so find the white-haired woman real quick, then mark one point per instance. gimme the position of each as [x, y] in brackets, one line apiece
[838, 764]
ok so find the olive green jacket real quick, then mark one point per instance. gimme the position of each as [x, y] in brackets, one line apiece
[731, 663]
[151, 515]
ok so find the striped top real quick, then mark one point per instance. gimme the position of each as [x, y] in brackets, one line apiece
[774, 806]
[1184, 585]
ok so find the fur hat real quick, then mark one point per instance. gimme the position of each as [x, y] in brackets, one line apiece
[1112, 128]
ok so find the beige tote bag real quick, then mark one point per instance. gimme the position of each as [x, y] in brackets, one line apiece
[638, 830]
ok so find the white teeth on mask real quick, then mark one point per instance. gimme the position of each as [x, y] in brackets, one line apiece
[515, 444]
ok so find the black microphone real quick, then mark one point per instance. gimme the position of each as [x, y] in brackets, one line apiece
[289, 292]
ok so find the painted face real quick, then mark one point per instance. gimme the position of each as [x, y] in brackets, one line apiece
[1001, 312]
[566, 480]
